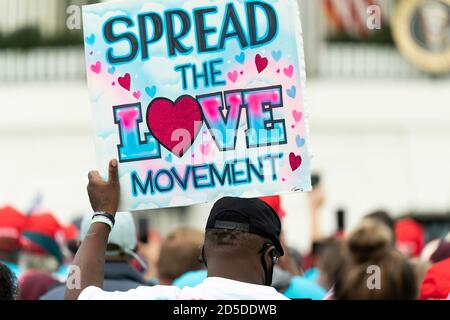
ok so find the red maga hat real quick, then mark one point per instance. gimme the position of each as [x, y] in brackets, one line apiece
[42, 234]
[12, 223]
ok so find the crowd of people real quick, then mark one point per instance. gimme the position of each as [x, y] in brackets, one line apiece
[241, 254]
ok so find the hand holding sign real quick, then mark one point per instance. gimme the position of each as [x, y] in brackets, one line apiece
[104, 195]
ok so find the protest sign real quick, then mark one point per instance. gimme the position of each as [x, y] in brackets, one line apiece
[198, 99]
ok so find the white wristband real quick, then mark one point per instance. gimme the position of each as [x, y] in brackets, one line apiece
[100, 219]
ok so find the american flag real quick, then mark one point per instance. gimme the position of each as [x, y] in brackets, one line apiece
[350, 16]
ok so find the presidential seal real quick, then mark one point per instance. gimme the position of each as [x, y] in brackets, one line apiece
[421, 30]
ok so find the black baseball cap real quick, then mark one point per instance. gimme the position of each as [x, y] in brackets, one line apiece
[247, 215]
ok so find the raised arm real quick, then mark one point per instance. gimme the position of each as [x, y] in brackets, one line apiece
[89, 261]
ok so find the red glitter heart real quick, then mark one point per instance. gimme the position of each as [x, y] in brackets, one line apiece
[295, 161]
[175, 125]
[125, 81]
[261, 63]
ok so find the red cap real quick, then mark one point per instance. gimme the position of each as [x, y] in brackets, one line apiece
[70, 232]
[410, 237]
[11, 225]
[436, 284]
[275, 203]
[43, 224]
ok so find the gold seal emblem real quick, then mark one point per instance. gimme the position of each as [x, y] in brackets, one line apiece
[421, 30]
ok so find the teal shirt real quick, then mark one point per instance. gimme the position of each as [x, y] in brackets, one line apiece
[191, 279]
[302, 288]
[312, 274]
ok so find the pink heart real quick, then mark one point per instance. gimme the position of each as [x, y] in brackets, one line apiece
[205, 148]
[283, 179]
[297, 116]
[242, 72]
[278, 70]
[289, 71]
[261, 63]
[295, 161]
[137, 95]
[113, 83]
[97, 67]
[175, 125]
[233, 76]
[125, 81]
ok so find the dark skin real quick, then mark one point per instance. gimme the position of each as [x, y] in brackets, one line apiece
[90, 257]
[240, 265]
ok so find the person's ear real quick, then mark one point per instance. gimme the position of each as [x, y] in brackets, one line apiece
[269, 256]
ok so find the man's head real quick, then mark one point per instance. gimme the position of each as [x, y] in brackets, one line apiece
[242, 240]
[179, 254]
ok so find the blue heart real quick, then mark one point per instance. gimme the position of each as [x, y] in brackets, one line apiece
[112, 70]
[300, 141]
[169, 158]
[276, 54]
[240, 58]
[91, 39]
[292, 92]
[151, 91]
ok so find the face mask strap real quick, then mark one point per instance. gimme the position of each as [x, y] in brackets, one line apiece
[202, 256]
[268, 274]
